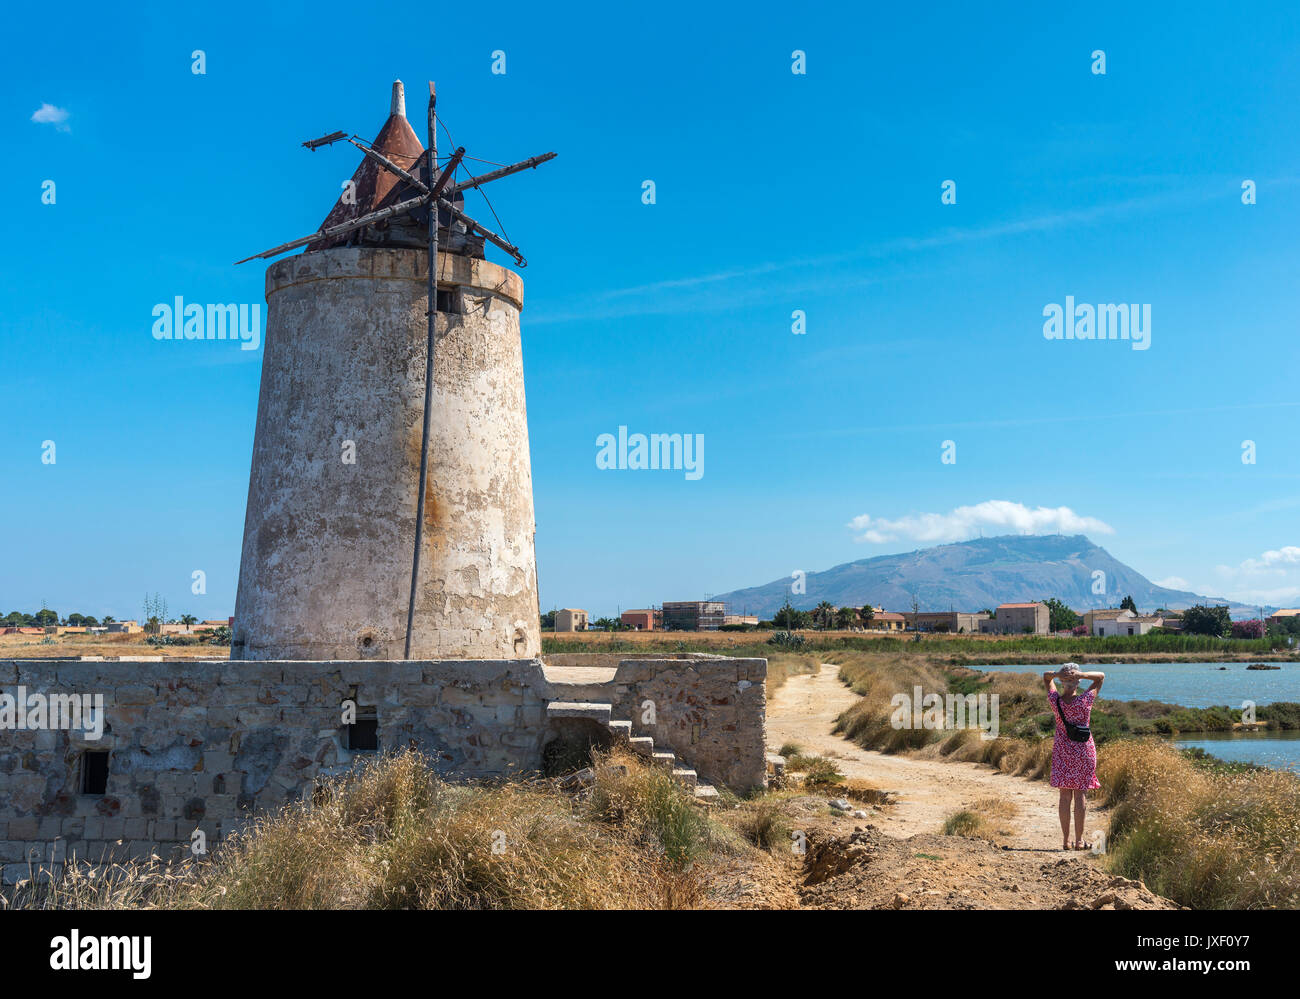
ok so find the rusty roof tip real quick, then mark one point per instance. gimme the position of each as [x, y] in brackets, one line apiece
[398, 106]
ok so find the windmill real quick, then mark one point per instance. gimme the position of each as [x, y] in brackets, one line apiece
[407, 205]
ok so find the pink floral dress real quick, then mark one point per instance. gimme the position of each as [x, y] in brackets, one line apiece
[1074, 764]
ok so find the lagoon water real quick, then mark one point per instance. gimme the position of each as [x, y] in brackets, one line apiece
[1205, 685]
[1280, 750]
[1193, 685]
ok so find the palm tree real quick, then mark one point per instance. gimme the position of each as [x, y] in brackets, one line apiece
[866, 615]
[189, 619]
[823, 613]
[844, 617]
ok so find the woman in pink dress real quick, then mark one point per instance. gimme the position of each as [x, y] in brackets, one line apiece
[1074, 764]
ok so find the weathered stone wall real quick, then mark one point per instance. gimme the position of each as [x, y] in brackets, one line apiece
[325, 571]
[710, 712]
[206, 744]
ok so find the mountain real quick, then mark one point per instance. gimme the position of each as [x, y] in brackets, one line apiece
[973, 575]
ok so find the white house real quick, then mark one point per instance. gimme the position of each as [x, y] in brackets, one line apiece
[1110, 623]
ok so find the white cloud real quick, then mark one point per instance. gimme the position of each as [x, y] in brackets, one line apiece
[48, 114]
[965, 522]
[1274, 561]
[1272, 578]
[1174, 583]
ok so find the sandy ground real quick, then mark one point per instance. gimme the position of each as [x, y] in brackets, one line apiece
[804, 710]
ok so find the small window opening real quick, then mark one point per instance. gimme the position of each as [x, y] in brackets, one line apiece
[94, 772]
[447, 300]
[363, 735]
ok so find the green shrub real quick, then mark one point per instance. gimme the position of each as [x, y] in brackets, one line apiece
[963, 823]
[787, 640]
[822, 771]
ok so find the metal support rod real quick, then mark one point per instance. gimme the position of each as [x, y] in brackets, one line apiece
[428, 374]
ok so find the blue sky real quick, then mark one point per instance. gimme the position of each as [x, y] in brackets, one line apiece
[775, 192]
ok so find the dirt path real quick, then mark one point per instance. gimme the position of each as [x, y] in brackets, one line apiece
[899, 858]
[804, 710]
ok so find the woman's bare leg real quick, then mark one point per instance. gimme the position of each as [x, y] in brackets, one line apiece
[1080, 808]
[1064, 808]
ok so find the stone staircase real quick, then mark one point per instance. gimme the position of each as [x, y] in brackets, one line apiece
[644, 745]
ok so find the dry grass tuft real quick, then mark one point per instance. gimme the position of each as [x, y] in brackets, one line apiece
[816, 770]
[765, 824]
[987, 818]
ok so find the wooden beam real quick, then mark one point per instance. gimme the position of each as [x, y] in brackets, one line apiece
[506, 171]
[324, 140]
[452, 163]
[485, 232]
[390, 166]
[401, 208]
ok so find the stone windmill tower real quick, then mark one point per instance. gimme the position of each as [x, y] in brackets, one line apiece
[344, 556]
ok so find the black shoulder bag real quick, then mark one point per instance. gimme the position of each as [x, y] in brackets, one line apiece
[1077, 733]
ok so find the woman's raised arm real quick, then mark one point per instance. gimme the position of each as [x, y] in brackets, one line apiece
[1047, 681]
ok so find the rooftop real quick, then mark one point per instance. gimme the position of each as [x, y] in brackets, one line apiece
[373, 187]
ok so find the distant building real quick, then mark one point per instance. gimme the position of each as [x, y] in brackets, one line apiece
[694, 615]
[1109, 622]
[188, 629]
[124, 627]
[650, 619]
[1100, 618]
[886, 621]
[740, 619]
[1017, 619]
[1283, 615]
[955, 622]
[570, 619]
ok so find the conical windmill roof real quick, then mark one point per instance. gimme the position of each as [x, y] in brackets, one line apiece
[372, 186]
